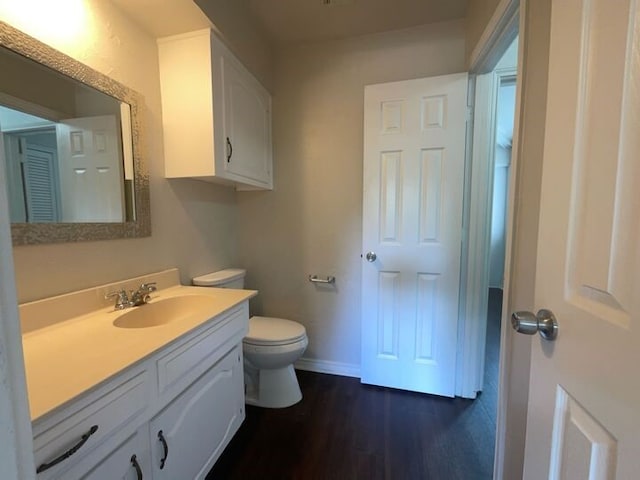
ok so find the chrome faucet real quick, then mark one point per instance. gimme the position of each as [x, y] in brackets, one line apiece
[133, 299]
[142, 295]
[122, 299]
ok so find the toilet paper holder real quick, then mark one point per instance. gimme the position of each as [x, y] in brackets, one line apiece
[316, 279]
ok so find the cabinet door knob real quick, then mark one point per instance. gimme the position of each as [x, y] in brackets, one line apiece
[165, 448]
[136, 465]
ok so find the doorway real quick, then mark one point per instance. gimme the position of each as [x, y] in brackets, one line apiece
[498, 125]
[489, 166]
[413, 176]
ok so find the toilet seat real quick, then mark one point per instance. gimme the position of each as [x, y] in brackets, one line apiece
[269, 331]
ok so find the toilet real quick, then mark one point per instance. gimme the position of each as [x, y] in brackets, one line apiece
[270, 349]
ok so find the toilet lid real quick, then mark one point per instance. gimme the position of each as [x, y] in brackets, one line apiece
[273, 331]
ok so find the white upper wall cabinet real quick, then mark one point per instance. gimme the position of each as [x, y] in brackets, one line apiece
[216, 115]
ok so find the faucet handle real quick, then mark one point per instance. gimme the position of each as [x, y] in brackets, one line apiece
[149, 287]
[122, 298]
[117, 293]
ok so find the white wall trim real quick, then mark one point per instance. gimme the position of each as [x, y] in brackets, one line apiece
[16, 453]
[16, 103]
[327, 366]
[476, 280]
[496, 37]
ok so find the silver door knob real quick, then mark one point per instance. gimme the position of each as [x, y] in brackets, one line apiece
[371, 256]
[544, 322]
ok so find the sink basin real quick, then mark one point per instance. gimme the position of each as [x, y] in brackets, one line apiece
[166, 310]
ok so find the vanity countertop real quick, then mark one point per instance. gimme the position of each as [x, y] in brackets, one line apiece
[68, 358]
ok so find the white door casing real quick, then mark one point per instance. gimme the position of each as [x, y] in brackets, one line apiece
[584, 401]
[414, 145]
[16, 438]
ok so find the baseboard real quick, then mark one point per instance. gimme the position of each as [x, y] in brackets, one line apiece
[327, 366]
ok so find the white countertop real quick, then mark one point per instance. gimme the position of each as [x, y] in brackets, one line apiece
[68, 358]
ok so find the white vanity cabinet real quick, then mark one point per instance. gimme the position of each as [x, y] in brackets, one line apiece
[191, 390]
[216, 115]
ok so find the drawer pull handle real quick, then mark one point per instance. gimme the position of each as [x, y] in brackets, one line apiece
[229, 150]
[68, 453]
[165, 447]
[136, 465]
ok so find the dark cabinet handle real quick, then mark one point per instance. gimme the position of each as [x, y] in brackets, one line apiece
[136, 465]
[68, 453]
[165, 447]
[229, 150]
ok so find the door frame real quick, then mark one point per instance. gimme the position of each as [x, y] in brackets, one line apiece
[507, 21]
[478, 205]
[15, 432]
[435, 372]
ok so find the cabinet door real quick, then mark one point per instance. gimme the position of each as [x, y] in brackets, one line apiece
[193, 430]
[246, 125]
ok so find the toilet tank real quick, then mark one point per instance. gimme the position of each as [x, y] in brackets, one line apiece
[229, 278]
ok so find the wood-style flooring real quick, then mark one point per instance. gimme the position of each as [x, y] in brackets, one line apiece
[343, 430]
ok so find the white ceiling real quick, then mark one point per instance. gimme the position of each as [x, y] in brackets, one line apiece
[293, 21]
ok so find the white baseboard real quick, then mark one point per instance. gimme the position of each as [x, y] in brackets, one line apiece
[327, 366]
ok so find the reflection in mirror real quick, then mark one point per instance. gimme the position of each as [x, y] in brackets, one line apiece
[63, 147]
[67, 171]
[69, 140]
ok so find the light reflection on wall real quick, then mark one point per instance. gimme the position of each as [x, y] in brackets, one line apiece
[60, 23]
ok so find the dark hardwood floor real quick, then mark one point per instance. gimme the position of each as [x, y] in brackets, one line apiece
[345, 430]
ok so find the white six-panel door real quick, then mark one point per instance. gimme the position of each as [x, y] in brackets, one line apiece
[414, 145]
[584, 406]
[91, 169]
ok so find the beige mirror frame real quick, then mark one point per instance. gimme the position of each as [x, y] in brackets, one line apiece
[39, 233]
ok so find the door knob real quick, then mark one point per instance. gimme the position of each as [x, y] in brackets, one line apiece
[544, 322]
[371, 256]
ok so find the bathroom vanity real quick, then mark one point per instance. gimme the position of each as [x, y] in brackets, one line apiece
[159, 396]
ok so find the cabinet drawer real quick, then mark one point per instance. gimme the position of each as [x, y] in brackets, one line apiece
[190, 359]
[111, 409]
[117, 463]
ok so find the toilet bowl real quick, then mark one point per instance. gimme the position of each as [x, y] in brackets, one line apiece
[270, 349]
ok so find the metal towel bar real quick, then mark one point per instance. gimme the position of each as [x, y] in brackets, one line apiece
[315, 279]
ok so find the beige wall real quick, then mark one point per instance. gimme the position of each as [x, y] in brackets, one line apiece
[193, 223]
[479, 13]
[311, 222]
[243, 34]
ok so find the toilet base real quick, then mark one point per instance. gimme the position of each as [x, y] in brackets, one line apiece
[271, 388]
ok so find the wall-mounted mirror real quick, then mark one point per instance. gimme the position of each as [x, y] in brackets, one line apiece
[69, 146]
